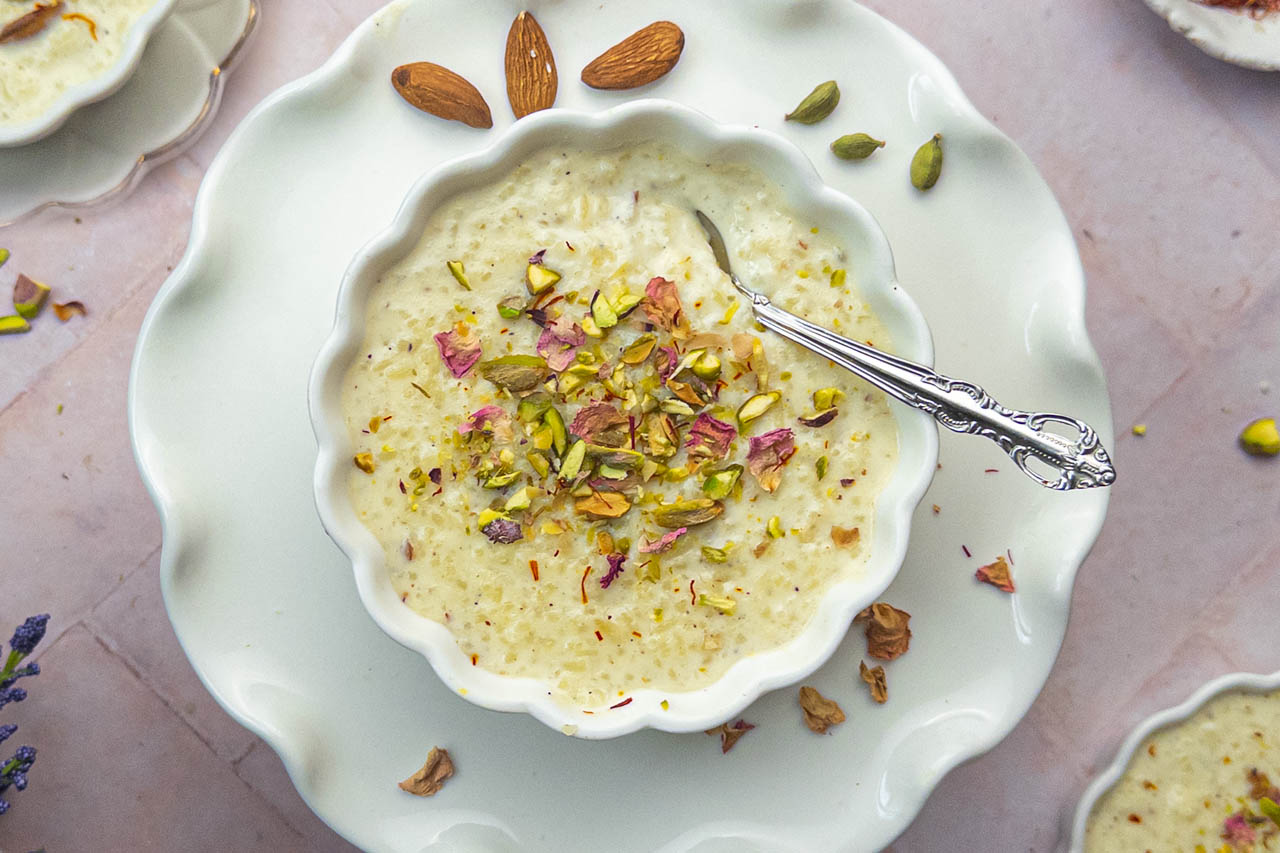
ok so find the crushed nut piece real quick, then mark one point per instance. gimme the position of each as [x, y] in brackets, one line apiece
[430, 778]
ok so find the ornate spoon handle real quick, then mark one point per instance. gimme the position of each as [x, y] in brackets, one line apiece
[1063, 463]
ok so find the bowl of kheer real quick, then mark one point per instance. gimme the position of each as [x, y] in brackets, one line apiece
[1203, 776]
[567, 465]
[58, 55]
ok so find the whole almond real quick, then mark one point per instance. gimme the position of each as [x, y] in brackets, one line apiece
[640, 58]
[437, 90]
[531, 67]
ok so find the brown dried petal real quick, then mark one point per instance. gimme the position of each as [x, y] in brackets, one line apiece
[874, 676]
[67, 310]
[730, 733]
[996, 574]
[662, 305]
[430, 778]
[709, 438]
[767, 454]
[600, 423]
[887, 633]
[820, 713]
[29, 24]
[743, 346]
[603, 505]
[844, 536]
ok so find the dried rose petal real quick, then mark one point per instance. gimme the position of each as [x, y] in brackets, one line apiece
[666, 359]
[459, 349]
[1237, 832]
[615, 569]
[491, 419]
[709, 438]
[503, 531]
[874, 676]
[663, 544]
[730, 733]
[662, 305]
[537, 257]
[996, 574]
[66, 310]
[887, 633]
[430, 778]
[601, 423]
[767, 454]
[820, 713]
[559, 342]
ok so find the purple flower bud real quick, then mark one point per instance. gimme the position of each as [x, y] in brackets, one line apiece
[29, 633]
[6, 731]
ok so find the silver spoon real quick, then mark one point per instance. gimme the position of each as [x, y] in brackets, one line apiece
[1078, 463]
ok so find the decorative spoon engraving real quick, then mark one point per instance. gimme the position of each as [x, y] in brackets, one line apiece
[1077, 463]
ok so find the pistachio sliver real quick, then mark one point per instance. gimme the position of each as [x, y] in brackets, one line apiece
[29, 296]
[819, 419]
[687, 513]
[532, 408]
[4, 256]
[521, 500]
[538, 462]
[515, 372]
[638, 350]
[706, 366]
[714, 555]
[559, 434]
[719, 484]
[774, 528]
[616, 457]
[724, 604]
[488, 516]
[820, 467]
[676, 407]
[625, 303]
[459, 273]
[825, 398]
[511, 307]
[756, 406]
[602, 312]
[838, 278]
[501, 481]
[572, 464]
[539, 278]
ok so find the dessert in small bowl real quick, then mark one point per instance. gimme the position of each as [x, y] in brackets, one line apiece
[56, 56]
[1201, 776]
[567, 465]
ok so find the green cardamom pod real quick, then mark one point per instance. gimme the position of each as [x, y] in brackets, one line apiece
[926, 166]
[817, 105]
[856, 146]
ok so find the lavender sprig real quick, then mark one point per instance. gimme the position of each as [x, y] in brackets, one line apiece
[13, 773]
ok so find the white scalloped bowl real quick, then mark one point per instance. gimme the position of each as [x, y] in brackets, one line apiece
[1246, 682]
[869, 254]
[95, 88]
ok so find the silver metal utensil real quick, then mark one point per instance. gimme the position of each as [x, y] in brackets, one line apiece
[1065, 463]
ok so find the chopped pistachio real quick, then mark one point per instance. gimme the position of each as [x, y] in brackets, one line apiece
[676, 407]
[728, 313]
[459, 273]
[724, 604]
[522, 499]
[573, 460]
[603, 505]
[608, 472]
[542, 438]
[838, 278]
[1261, 438]
[819, 419]
[821, 467]
[756, 406]
[589, 326]
[616, 457]
[639, 349]
[687, 513]
[4, 256]
[825, 398]
[651, 572]
[774, 528]
[706, 366]
[552, 528]
[515, 372]
[364, 461]
[487, 517]
[13, 325]
[602, 312]
[533, 407]
[511, 307]
[538, 462]
[714, 555]
[624, 303]
[559, 435]
[719, 484]
[501, 481]
[539, 278]
[29, 296]
[676, 474]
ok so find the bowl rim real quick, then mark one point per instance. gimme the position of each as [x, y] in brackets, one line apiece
[1247, 682]
[95, 88]
[748, 678]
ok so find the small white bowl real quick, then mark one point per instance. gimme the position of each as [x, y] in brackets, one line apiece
[869, 254]
[1228, 34]
[1242, 681]
[95, 88]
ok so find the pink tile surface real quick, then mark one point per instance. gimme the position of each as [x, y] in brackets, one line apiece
[1166, 165]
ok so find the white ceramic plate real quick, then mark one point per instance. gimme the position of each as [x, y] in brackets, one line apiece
[265, 604]
[95, 88]
[1242, 681]
[104, 149]
[1225, 33]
